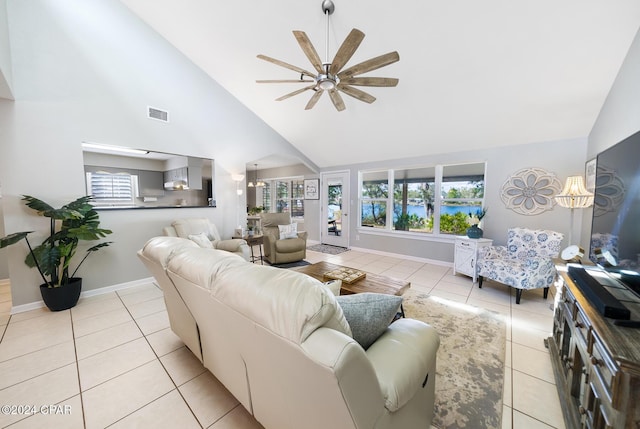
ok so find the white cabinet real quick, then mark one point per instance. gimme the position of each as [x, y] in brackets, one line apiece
[466, 254]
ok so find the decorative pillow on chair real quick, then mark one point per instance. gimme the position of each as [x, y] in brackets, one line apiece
[288, 231]
[369, 314]
[201, 240]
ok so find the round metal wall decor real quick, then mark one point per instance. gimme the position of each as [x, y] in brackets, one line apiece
[530, 191]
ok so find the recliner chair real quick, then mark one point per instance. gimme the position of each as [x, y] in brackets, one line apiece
[185, 227]
[281, 251]
[524, 263]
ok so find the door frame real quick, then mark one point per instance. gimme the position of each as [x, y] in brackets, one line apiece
[343, 239]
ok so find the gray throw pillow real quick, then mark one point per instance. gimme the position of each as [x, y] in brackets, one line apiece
[369, 314]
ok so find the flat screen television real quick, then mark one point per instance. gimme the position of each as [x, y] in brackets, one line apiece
[615, 227]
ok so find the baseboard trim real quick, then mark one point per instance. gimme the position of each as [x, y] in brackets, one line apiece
[87, 294]
[401, 256]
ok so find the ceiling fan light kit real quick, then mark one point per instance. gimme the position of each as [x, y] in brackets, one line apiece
[329, 76]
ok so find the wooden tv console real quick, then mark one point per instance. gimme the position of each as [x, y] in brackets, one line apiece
[596, 363]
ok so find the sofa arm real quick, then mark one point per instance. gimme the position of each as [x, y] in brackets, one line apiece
[232, 245]
[303, 235]
[169, 231]
[542, 272]
[402, 358]
[269, 244]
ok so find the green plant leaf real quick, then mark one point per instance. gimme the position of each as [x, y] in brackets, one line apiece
[99, 246]
[13, 238]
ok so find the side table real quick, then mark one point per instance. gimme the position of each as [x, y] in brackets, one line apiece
[465, 255]
[254, 240]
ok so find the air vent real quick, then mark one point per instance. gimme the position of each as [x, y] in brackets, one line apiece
[157, 114]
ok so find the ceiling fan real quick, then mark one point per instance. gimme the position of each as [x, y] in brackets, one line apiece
[330, 76]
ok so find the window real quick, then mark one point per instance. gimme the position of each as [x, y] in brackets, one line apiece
[462, 194]
[115, 189]
[374, 197]
[413, 199]
[431, 200]
[284, 196]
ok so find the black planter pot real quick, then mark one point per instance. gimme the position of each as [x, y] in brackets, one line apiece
[63, 297]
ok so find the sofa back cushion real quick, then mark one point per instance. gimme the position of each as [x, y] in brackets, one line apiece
[160, 249]
[270, 223]
[290, 304]
[201, 266]
[523, 243]
[192, 226]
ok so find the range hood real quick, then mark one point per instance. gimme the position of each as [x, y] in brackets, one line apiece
[176, 185]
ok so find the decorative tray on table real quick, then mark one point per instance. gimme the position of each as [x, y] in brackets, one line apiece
[347, 275]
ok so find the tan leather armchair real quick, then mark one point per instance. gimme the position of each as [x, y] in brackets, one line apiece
[184, 227]
[278, 251]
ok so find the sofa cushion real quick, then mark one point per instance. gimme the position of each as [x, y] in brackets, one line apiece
[288, 231]
[161, 249]
[290, 304]
[185, 227]
[202, 266]
[202, 240]
[369, 314]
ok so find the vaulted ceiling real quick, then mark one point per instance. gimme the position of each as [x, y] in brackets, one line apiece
[472, 74]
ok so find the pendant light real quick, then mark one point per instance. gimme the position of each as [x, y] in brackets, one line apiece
[258, 183]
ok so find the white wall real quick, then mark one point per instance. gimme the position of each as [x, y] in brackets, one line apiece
[5, 54]
[564, 158]
[86, 71]
[620, 114]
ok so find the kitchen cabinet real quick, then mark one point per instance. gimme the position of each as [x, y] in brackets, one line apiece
[150, 183]
[190, 177]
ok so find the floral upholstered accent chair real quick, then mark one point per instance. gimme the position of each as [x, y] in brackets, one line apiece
[526, 262]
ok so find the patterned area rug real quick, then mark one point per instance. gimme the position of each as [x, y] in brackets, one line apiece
[470, 365]
[326, 248]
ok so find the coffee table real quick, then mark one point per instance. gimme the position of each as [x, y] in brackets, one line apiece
[371, 283]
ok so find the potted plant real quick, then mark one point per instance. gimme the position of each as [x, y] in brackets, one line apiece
[474, 220]
[253, 211]
[69, 224]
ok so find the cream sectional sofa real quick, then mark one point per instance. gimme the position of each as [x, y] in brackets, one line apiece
[278, 340]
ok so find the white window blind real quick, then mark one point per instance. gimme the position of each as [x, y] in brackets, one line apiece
[112, 188]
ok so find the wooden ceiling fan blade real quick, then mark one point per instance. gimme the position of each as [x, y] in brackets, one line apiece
[309, 50]
[346, 50]
[370, 81]
[357, 93]
[369, 65]
[337, 100]
[283, 80]
[296, 92]
[286, 65]
[314, 99]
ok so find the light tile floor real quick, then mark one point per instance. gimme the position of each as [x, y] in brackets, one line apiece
[112, 361]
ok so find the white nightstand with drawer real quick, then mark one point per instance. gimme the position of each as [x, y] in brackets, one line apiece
[466, 254]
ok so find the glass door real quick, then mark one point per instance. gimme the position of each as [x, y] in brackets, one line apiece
[335, 208]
